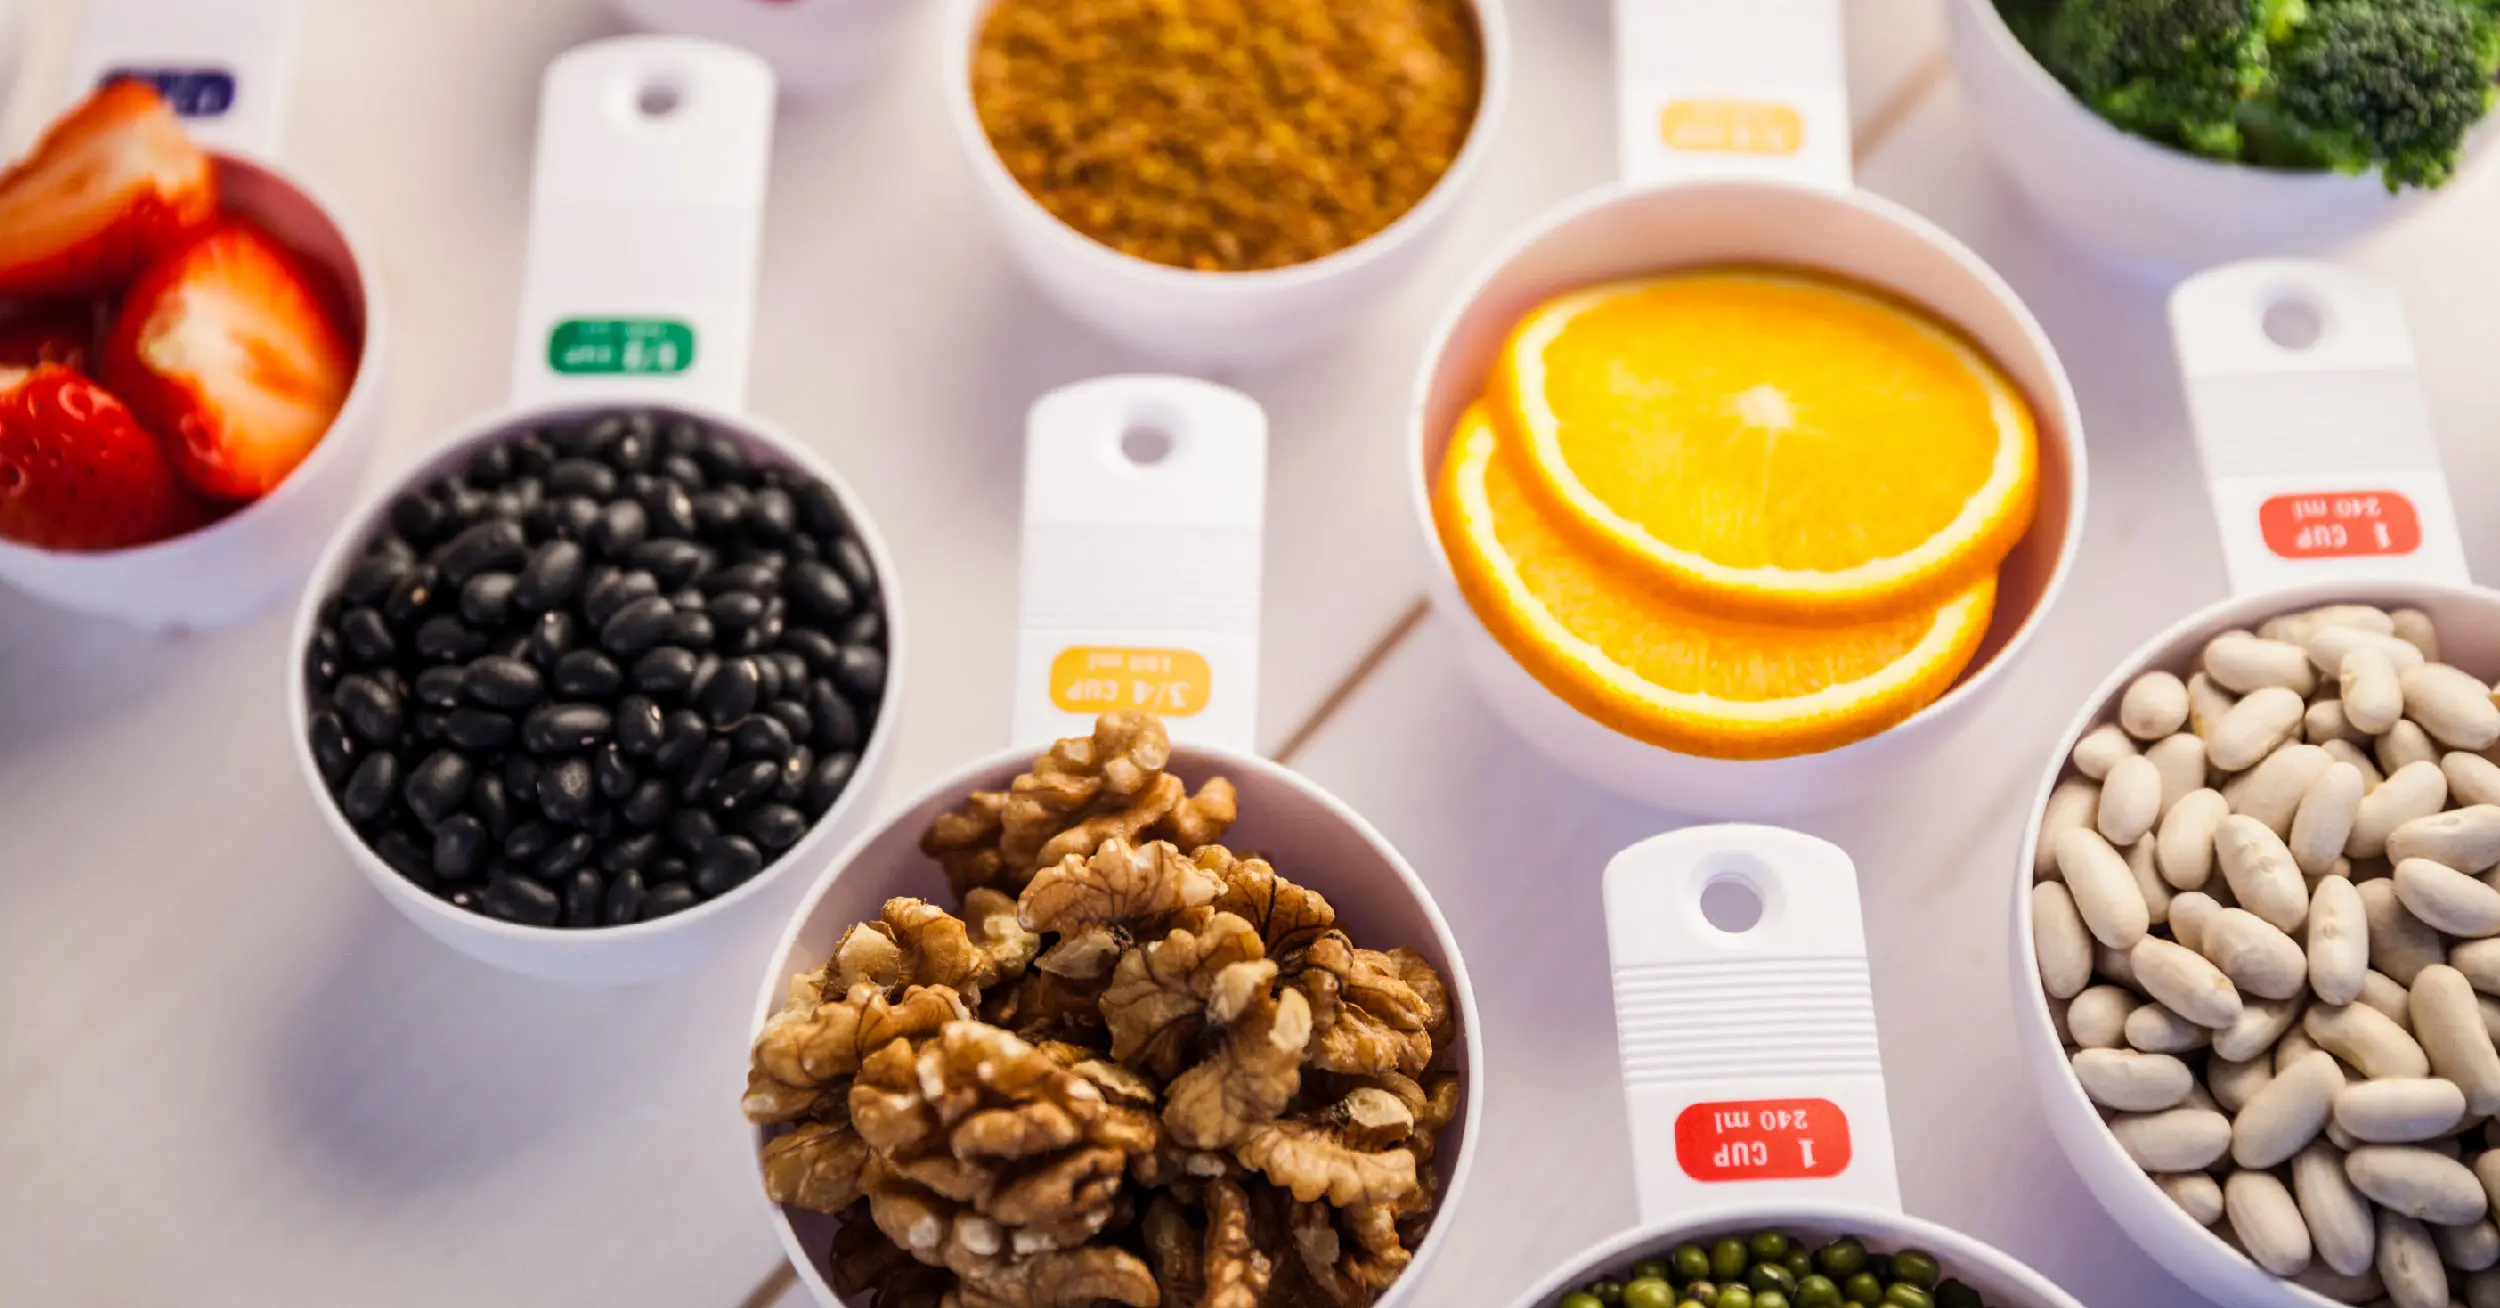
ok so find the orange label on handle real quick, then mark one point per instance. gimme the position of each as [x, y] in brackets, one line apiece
[2340, 525]
[1763, 1140]
[1732, 127]
[1169, 682]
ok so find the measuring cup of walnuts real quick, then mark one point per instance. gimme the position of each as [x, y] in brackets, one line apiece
[1140, 1018]
[1761, 1142]
[2263, 927]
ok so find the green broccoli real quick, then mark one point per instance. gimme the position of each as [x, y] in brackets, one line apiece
[2394, 84]
[2173, 70]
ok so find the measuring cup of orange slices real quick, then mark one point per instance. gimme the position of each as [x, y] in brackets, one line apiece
[1740, 483]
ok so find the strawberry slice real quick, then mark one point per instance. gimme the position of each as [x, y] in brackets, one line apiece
[111, 186]
[57, 333]
[229, 350]
[78, 472]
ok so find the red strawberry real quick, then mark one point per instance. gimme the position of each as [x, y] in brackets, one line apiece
[63, 333]
[77, 472]
[110, 187]
[228, 350]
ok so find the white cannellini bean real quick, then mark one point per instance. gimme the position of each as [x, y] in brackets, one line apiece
[2185, 848]
[2243, 663]
[2399, 1110]
[2271, 791]
[2114, 966]
[2372, 696]
[2366, 1038]
[2133, 1082]
[2336, 1287]
[2482, 1289]
[2208, 704]
[2058, 936]
[2100, 749]
[2190, 910]
[2098, 1017]
[2418, 1182]
[2329, 647]
[2381, 992]
[2253, 728]
[2477, 960]
[2448, 1024]
[2339, 941]
[2260, 872]
[2299, 627]
[2339, 1137]
[2467, 839]
[2487, 1171]
[2259, 959]
[2324, 722]
[2345, 751]
[2413, 627]
[2472, 779]
[2489, 1009]
[2468, 1248]
[2185, 983]
[2401, 945]
[2196, 1194]
[2267, 1221]
[2157, 892]
[2451, 704]
[2174, 1140]
[2415, 791]
[2155, 705]
[2447, 899]
[2233, 1084]
[2180, 760]
[2156, 1030]
[2071, 805]
[2294, 1046]
[2324, 820]
[2262, 1025]
[2404, 745]
[2339, 1219]
[2130, 800]
[2408, 1261]
[2287, 1114]
[2104, 889]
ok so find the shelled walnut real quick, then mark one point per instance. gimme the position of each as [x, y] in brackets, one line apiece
[1136, 1069]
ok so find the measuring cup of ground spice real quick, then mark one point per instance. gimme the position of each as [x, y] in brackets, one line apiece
[1761, 1142]
[1220, 182]
[1735, 155]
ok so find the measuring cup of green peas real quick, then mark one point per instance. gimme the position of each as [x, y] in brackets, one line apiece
[1761, 1139]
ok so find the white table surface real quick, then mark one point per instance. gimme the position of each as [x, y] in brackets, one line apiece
[230, 1074]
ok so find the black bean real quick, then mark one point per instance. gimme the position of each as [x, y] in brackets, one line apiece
[795, 771]
[553, 577]
[417, 518]
[638, 627]
[565, 855]
[767, 629]
[584, 894]
[573, 515]
[477, 730]
[728, 693]
[736, 610]
[527, 840]
[487, 600]
[691, 629]
[586, 674]
[369, 789]
[504, 683]
[866, 627]
[740, 785]
[624, 900]
[372, 709]
[606, 597]
[771, 680]
[793, 670]
[820, 510]
[772, 516]
[692, 830]
[445, 638]
[750, 576]
[814, 647]
[371, 577]
[367, 636]
[775, 827]
[552, 638]
[819, 593]
[332, 750]
[591, 438]
[615, 776]
[648, 806]
[669, 867]
[670, 505]
[532, 454]
[428, 726]
[638, 725]
[629, 854]
[673, 563]
[826, 784]
[727, 864]
[490, 464]
[718, 513]
[861, 672]
[516, 898]
[792, 715]
[636, 447]
[405, 855]
[565, 728]
[837, 723]
[682, 736]
[440, 687]
[705, 770]
[850, 558]
[566, 791]
[520, 776]
[621, 526]
[463, 506]
[581, 477]
[458, 841]
[436, 787]
[324, 659]
[668, 670]
[408, 601]
[601, 823]
[492, 544]
[666, 898]
[492, 804]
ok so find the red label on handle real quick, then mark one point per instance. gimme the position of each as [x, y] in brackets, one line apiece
[2340, 525]
[1763, 1140]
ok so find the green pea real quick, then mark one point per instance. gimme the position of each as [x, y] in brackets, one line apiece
[1841, 1257]
[1865, 1287]
[1771, 1245]
[1905, 1295]
[1799, 1263]
[1609, 1293]
[1954, 1294]
[1648, 1292]
[1691, 1262]
[1728, 1259]
[1690, 1303]
[1815, 1290]
[1735, 1296]
[1770, 1276]
[1770, 1299]
[1652, 1269]
[1916, 1266]
[1704, 1293]
[1581, 1299]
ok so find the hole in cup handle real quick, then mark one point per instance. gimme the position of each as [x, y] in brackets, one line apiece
[1712, 89]
[2308, 413]
[223, 65]
[1746, 1022]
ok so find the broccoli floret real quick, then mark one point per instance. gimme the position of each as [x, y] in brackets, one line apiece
[2173, 70]
[2391, 84]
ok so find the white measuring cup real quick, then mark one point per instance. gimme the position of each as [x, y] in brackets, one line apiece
[223, 65]
[1167, 477]
[1215, 319]
[816, 47]
[1751, 1072]
[1735, 134]
[637, 291]
[2327, 489]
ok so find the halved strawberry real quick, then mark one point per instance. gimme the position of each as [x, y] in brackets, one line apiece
[52, 333]
[228, 349]
[111, 186]
[77, 472]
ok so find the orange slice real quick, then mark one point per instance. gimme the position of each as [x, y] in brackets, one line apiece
[1774, 443]
[1638, 657]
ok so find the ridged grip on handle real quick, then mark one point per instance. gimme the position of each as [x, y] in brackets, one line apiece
[1732, 88]
[223, 64]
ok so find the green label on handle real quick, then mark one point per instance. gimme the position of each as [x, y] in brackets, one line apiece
[636, 346]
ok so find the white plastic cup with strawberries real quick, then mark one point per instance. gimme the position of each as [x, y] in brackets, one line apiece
[190, 339]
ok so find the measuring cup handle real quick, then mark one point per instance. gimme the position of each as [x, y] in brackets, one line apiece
[646, 223]
[1746, 1022]
[2316, 443]
[1144, 501]
[222, 64]
[1732, 88]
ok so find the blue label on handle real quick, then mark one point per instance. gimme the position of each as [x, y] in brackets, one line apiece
[193, 92]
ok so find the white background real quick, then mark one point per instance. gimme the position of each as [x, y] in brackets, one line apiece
[230, 1074]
